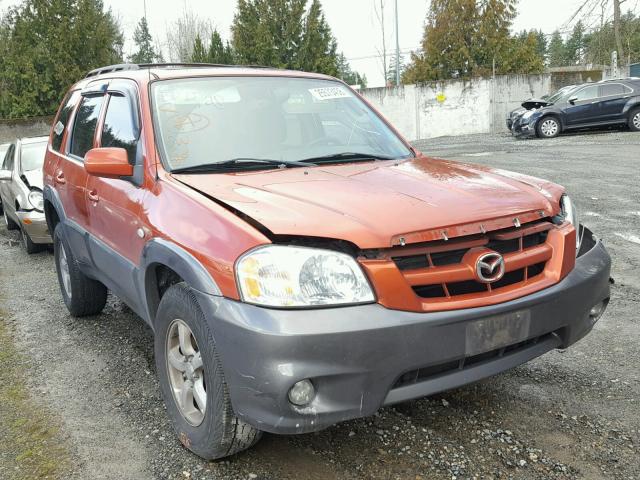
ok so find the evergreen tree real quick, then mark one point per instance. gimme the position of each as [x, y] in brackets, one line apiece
[541, 46]
[284, 34]
[557, 50]
[464, 38]
[199, 53]
[347, 75]
[42, 57]
[145, 52]
[574, 46]
[219, 52]
[391, 74]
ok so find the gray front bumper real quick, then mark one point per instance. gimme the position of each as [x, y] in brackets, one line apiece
[356, 355]
[35, 224]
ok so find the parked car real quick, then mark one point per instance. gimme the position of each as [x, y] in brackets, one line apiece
[3, 150]
[21, 191]
[607, 103]
[533, 103]
[299, 262]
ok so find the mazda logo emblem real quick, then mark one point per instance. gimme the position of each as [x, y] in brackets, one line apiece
[490, 267]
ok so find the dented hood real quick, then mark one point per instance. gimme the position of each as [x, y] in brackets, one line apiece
[535, 103]
[380, 204]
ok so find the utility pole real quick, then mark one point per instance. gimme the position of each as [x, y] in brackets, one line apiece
[144, 4]
[397, 48]
[616, 27]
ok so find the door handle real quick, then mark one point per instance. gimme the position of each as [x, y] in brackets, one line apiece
[93, 196]
[60, 178]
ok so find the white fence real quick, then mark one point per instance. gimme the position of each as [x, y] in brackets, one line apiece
[455, 107]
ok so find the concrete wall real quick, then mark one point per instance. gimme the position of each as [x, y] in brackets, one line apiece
[30, 127]
[455, 107]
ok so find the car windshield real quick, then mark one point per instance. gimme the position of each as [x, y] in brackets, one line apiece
[207, 121]
[560, 93]
[32, 156]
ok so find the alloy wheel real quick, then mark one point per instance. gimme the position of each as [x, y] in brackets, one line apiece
[186, 372]
[636, 120]
[63, 263]
[549, 127]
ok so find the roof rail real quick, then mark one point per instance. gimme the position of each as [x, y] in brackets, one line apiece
[138, 66]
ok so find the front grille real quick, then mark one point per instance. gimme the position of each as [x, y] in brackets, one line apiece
[441, 369]
[438, 270]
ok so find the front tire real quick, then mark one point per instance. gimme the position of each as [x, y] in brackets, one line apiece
[192, 381]
[82, 295]
[11, 225]
[28, 244]
[634, 120]
[548, 127]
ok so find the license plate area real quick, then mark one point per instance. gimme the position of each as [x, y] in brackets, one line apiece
[497, 331]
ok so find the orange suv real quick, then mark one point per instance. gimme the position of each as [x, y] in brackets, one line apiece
[298, 261]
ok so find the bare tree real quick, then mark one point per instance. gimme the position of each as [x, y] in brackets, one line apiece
[616, 28]
[383, 53]
[181, 35]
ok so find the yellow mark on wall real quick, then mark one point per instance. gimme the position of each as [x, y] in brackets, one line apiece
[440, 97]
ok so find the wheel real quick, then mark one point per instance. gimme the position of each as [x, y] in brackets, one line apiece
[11, 225]
[82, 295]
[192, 381]
[634, 120]
[548, 127]
[28, 245]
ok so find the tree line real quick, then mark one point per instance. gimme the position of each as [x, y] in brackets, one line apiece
[47, 45]
[467, 38]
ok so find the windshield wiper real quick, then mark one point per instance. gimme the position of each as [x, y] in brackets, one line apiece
[347, 157]
[235, 162]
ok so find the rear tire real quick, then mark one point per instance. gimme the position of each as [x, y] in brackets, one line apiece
[82, 295]
[634, 120]
[28, 245]
[548, 127]
[11, 225]
[182, 334]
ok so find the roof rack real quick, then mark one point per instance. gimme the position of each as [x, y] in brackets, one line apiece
[138, 66]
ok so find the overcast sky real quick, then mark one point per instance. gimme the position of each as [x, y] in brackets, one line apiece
[354, 22]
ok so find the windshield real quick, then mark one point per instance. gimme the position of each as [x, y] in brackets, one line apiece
[216, 119]
[560, 93]
[32, 156]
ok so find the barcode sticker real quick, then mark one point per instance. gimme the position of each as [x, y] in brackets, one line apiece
[329, 93]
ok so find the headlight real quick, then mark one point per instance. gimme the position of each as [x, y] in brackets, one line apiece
[526, 115]
[571, 215]
[288, 276]
[36, 200]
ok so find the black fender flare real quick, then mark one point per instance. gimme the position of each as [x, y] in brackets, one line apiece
[160, 252]
[51, 195]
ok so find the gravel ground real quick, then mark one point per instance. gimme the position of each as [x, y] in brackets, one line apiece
[569, 414]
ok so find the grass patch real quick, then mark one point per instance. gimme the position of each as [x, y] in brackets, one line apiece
[30, 443]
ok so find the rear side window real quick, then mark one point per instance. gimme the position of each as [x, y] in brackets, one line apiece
[612, 89]
[119, 127]
[84, 127]
[63, 118]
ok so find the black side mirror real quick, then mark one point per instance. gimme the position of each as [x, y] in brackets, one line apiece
[573, 100]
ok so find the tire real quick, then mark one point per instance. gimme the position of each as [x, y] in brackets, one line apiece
[634, 120]
[82, 295]
[213, 431]
[11, 225]
[28, 245]
[548, 127]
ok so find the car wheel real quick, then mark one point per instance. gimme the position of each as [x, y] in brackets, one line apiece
[28, 245]
[634, 120]
[82, 295]
[192, 381]
[548, 127]
[11, 225]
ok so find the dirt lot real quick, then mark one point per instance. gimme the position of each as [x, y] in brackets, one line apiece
[89, 388]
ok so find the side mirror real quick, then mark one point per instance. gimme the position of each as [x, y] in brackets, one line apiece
[5, 175]
[108, 162]
[573, 100]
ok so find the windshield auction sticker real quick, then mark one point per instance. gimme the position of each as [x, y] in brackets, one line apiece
[329, 93]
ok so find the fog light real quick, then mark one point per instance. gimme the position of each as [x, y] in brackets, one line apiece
[597, 310]
[302, 393]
